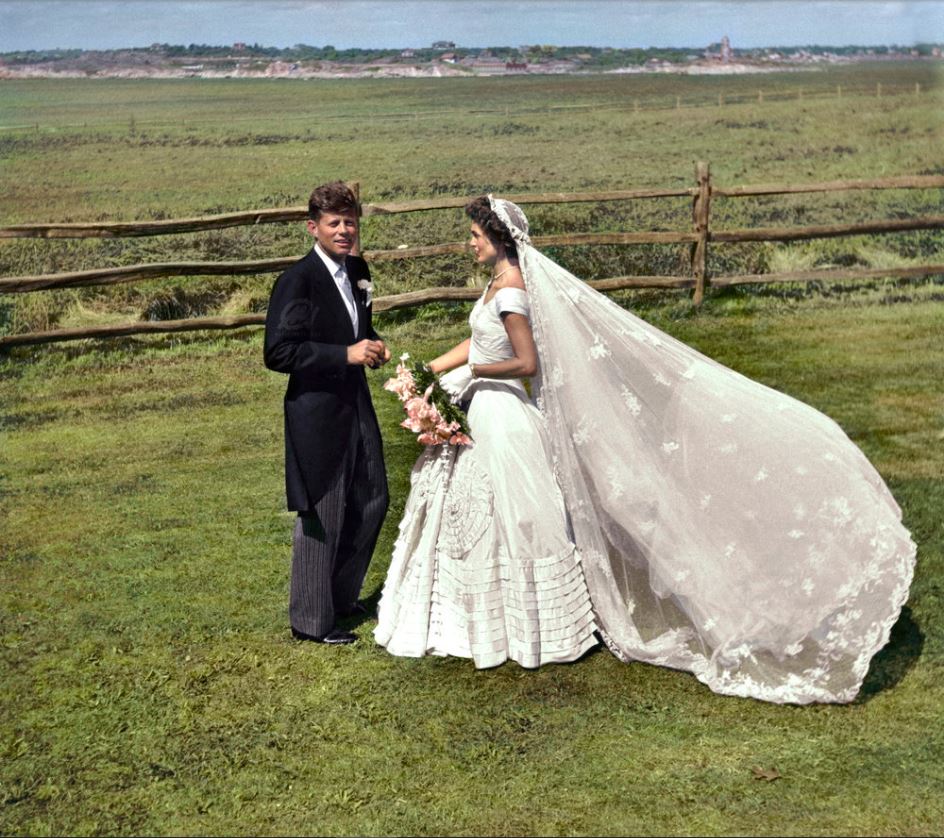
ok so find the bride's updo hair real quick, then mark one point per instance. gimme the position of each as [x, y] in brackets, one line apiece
[480, 211]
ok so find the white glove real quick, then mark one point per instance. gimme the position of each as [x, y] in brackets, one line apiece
[457, 382]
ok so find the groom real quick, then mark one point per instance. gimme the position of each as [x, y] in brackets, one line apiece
[318, 330]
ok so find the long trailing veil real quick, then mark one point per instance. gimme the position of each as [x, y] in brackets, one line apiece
[725, 528]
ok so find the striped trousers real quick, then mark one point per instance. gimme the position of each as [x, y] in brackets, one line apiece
[332, 546]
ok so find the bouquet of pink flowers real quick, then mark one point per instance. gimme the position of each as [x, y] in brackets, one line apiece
[429, 412]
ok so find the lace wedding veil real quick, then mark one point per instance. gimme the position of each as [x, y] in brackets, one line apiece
[725, 528]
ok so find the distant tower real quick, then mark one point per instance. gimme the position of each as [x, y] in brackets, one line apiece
[725, 49]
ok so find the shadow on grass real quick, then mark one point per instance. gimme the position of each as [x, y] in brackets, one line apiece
[887, 669]
[356, 620]
[893, 662]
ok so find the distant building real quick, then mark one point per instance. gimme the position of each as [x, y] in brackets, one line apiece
[516, 65]
[407, 53]
[239, 46]
[444, 45]
[448, 57]
[724, 53]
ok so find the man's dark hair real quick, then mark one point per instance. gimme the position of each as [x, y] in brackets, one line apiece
[336, 197]
[480, 211]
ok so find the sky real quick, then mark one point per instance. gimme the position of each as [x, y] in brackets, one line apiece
[108, 24]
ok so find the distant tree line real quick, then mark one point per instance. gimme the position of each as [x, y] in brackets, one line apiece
[537, 53]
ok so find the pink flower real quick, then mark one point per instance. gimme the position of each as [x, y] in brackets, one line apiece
[422, 416]
[402, 384]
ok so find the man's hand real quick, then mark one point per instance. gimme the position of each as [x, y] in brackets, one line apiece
[368, 353]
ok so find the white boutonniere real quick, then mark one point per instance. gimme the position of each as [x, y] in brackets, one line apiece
[368, 289]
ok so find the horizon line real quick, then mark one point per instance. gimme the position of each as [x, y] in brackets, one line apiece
[257, 45]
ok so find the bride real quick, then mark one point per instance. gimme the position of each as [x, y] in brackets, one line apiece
[649, 496]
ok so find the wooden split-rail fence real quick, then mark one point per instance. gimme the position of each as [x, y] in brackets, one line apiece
[702, 193]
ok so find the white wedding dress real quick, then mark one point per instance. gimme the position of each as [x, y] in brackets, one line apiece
[484, 567]
[694, 518]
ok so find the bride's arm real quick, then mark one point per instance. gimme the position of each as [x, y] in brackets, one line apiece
[455, 357]
[525, 362]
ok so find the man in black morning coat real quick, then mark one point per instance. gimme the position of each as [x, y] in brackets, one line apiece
[319, 331]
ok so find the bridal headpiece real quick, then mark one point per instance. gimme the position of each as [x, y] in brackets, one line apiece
[512, 216]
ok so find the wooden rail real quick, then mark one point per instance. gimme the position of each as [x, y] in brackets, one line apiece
[827, 231]
[701, 236]
[432, 295]
[154, 270]
[381, 304]
[699, 240]
[830, 275]
[916, 182]
[121, 229]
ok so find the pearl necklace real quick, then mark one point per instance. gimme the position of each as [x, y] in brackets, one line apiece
[499, 274]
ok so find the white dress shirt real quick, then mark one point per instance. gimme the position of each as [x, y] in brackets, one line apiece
[341, 279]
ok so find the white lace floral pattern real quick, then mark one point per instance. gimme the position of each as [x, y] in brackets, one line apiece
[721, 527]
[756, 544]
[512, 217]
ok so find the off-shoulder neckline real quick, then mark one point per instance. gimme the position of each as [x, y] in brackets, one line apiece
[486, 300]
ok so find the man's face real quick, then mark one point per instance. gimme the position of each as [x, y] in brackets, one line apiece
[335, 232]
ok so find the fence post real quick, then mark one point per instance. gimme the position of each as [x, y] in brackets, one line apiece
[700, 210]
[355, 186]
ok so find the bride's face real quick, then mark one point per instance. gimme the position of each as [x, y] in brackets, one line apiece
[485, 252]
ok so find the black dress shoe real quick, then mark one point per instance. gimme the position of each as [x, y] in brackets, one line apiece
[358, 609]
[335, 637]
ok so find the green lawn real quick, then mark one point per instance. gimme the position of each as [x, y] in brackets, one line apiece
[149, 682]
[151, 685]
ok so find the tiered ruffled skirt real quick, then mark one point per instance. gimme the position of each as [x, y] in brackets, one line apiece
[484, 567]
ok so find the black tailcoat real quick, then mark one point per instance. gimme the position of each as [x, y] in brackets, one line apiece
[307, 332]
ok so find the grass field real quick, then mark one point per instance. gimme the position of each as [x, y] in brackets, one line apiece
[149, 682]
[126, 150]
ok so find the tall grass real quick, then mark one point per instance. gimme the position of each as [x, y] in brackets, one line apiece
[202, 147]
